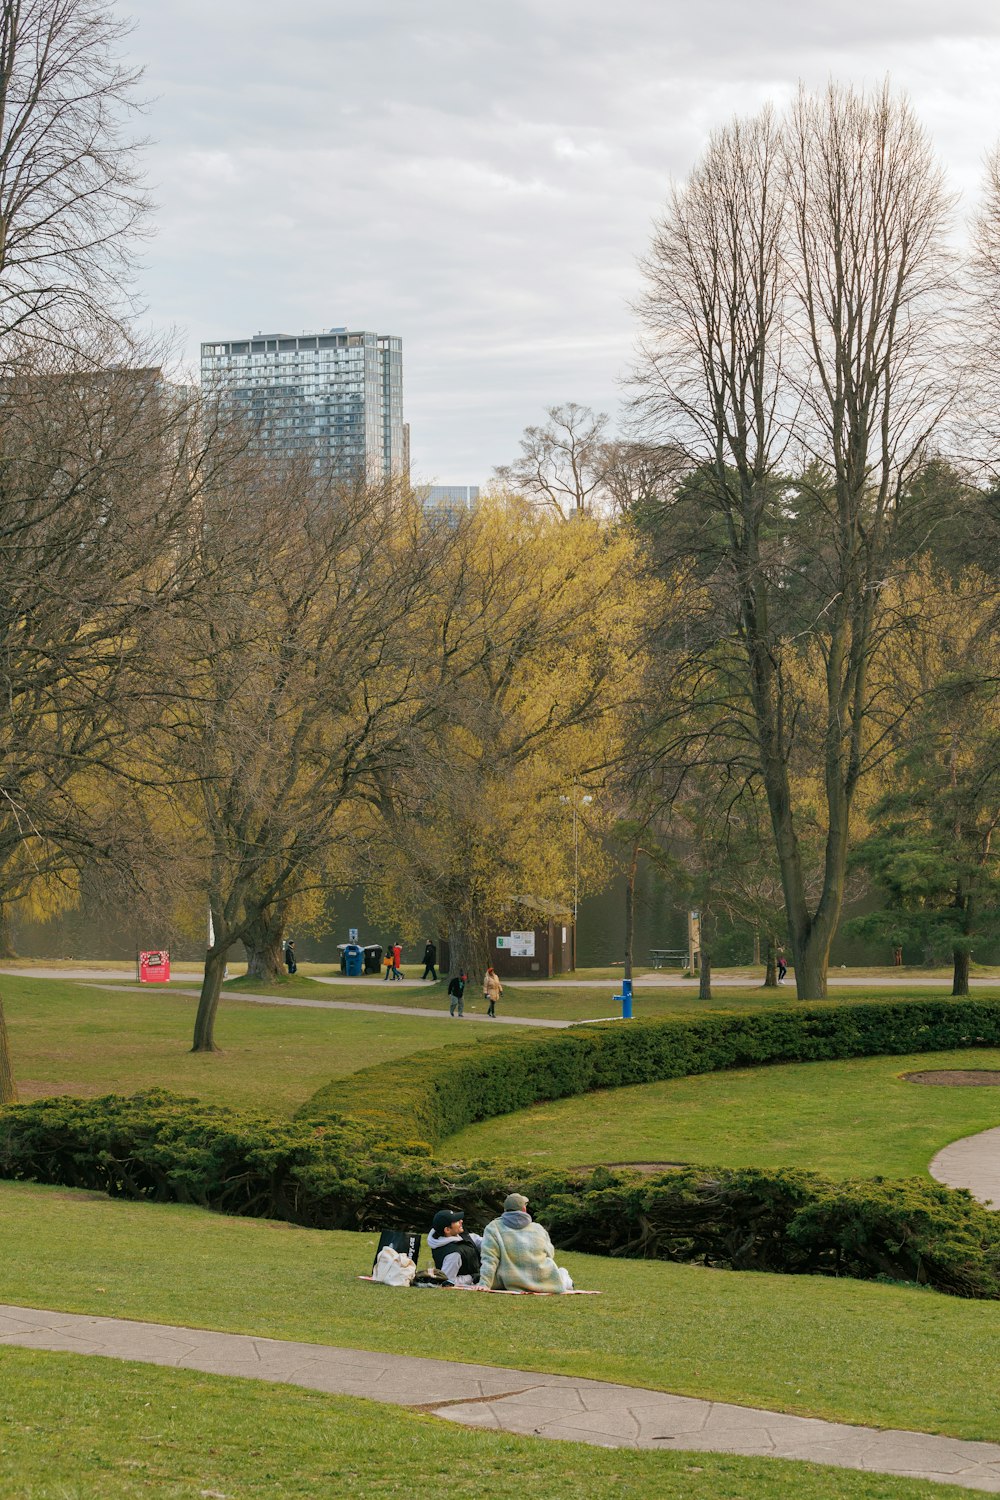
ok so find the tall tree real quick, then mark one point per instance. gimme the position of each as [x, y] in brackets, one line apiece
[793, 315]
[297, 689]
[931, 848]
[561, 465]
[529, 655]
[71, 200]
[100, 477]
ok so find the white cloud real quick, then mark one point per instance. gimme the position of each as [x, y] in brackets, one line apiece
[481, 182]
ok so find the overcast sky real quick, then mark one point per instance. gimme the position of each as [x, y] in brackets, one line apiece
[480, 180]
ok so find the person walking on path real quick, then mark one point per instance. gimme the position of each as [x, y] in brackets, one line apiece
[492, 990]
[456, 992]
[782, 966]
[516, 1254]
[430, 961]
[387, 964]
[397, 961]
[289, 956]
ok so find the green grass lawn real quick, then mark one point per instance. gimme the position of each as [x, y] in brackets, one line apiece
[71, 1038]
[849, 1118]
[81, 1428]
[846, 1350]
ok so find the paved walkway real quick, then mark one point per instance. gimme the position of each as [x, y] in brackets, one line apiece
[522, 1401]
[659, 980]
[440, 1013]
[972, 1163]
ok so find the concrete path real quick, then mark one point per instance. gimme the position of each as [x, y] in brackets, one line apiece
[972, 1163]
[658, 980]
[440, 1014]
[522, 1401]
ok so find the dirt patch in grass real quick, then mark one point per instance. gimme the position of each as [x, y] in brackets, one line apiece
[968, 1078]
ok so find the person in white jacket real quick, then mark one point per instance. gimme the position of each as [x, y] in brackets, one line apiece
[454, 1252]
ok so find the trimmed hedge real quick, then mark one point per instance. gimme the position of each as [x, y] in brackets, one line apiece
[434, 1094]
[165, 1149]
[351, 1159]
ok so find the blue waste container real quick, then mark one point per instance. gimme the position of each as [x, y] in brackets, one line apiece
[353, 960]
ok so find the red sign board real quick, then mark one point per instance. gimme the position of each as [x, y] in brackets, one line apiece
[154, 966]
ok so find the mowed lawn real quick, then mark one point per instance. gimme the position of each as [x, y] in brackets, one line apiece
[70, 1038]
[853, 1351]
[851, 1118]
[78, 1428]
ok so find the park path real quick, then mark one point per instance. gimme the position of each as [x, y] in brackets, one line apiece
[441, 1013]
[520, 1401]
[658, 980]
[973, 1163]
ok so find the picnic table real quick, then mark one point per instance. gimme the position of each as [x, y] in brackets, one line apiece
[663, 957]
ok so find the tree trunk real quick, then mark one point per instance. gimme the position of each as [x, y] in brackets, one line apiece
[264, 943]
[811, 970]
[756, 947]
[630, 911]
[208, 1001]
[468, 948]
[7, 949]
[8, 1088]
[705, 976]
[771, 968]
[960, 976]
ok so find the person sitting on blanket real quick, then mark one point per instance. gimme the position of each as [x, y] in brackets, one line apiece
[517, 1255]
[455, 1252]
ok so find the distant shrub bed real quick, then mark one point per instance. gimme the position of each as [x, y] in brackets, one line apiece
[357, 1157]
[431, 1095]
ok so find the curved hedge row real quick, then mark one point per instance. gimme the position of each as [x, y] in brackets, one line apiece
[351, 1159]
[342, 1176]
[431, 1095]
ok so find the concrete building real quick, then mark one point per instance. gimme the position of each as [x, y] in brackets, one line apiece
[337, 395]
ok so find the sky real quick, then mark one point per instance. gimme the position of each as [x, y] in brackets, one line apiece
[482, 180]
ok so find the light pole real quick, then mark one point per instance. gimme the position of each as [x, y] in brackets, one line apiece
[577, 803]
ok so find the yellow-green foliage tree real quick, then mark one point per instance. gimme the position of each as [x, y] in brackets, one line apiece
[296, 690]
[530, 655]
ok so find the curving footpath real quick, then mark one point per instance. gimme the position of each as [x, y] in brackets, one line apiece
[521, 1401]
[972, 1163]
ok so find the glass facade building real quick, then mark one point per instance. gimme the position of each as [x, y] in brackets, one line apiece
[337, 395]
[450, 500]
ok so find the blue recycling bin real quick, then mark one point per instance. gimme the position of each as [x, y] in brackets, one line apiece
[354, 957]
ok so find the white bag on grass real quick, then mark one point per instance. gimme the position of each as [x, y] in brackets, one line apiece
[393, 1269]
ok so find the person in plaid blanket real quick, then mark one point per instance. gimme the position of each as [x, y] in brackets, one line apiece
[516, 1254]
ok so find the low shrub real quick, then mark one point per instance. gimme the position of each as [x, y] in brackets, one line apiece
[345, 1176]
[357, 1156]
[434, 1094]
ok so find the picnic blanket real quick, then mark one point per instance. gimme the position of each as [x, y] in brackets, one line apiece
[496, 1291]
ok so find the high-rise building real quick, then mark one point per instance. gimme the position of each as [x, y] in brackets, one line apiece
[337, 395]
[450, 499]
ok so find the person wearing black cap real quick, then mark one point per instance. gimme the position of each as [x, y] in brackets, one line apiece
[455, 1252]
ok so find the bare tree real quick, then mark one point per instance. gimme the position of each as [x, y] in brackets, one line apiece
[70, 196]
[638, 478]
[561, 465]
[794, 305]
[101, 468]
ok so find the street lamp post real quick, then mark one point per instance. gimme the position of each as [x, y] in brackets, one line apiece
[577, 803]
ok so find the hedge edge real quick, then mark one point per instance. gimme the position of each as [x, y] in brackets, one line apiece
[432, 1095]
